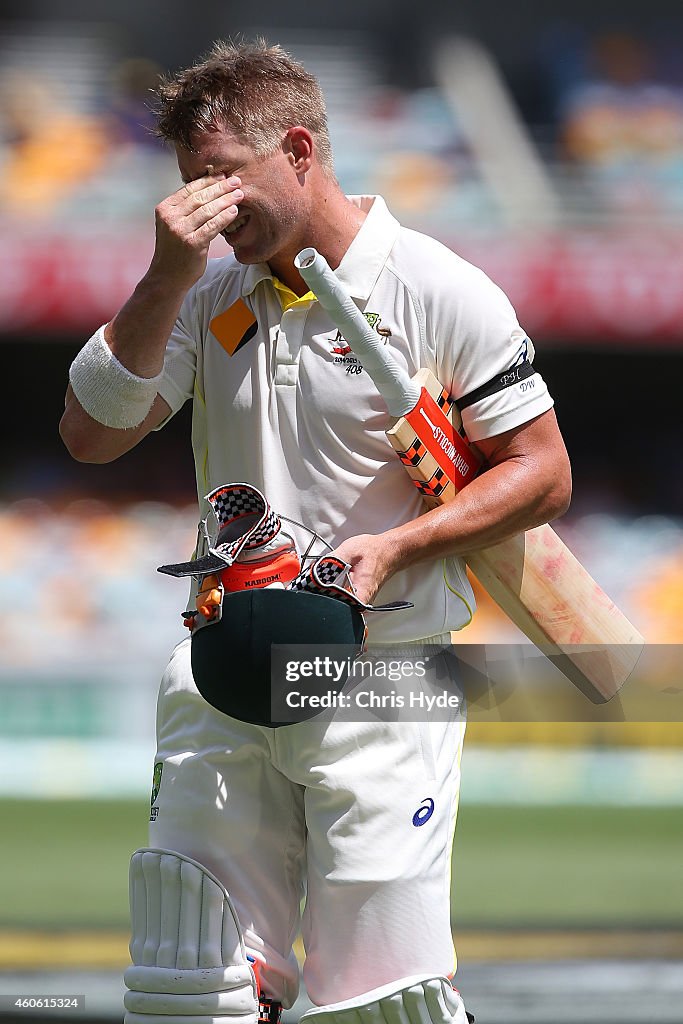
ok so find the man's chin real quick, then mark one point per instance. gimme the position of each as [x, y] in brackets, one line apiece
[243, 254]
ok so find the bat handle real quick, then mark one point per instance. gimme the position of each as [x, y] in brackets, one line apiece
[400, 393]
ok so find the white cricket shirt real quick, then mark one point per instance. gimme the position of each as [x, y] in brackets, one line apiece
[280, 402]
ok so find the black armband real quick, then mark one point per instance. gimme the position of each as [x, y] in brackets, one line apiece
[497, 383]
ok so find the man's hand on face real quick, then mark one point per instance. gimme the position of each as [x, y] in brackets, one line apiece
[188, 221]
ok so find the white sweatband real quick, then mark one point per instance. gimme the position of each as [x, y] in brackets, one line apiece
[109, 392]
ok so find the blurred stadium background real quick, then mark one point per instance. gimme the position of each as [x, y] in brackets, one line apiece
[545, 143]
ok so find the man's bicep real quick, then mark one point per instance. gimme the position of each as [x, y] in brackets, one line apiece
[537, 439]
[534, 463]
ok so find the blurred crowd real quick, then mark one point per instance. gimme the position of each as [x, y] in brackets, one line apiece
[611, 137]
[80, 586]
[68, 161]
[615, 102]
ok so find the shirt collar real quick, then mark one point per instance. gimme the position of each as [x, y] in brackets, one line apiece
[365, 258]
[253, 274]
[362, 262]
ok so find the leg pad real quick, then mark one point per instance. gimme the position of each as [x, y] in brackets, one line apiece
[189, 962]
[420, 999]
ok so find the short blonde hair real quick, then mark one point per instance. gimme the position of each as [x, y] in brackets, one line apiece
[252, 88]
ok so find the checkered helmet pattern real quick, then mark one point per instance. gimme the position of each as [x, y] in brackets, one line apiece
[232, 502]
[321, 578]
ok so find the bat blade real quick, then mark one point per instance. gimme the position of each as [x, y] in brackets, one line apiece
[553, 599]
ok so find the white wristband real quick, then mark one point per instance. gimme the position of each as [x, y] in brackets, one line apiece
[107, 390]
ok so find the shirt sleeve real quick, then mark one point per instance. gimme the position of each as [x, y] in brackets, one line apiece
[473, 333]
[180, 360]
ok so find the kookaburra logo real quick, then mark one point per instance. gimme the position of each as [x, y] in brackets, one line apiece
[342, 351]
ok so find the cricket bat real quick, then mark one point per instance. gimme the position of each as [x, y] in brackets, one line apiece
[533, 577]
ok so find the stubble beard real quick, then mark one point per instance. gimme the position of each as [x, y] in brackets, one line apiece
[278, 245]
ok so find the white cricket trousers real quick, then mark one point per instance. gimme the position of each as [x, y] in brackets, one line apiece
[337, 811]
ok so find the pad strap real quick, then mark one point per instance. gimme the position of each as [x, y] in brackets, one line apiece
[269, 1011]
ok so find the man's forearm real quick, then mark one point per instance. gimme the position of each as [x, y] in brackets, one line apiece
[504, 501]
[511, 497]
[139, 332]
[528, 483]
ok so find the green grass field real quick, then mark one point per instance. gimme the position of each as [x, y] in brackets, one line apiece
[65, 863]
[593, 866]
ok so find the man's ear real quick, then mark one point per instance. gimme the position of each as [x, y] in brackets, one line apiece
[298, 145]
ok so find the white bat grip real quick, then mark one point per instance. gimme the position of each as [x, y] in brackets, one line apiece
[393, 383]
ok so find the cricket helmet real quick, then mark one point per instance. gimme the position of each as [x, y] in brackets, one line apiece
[239, 662]
[257, 592]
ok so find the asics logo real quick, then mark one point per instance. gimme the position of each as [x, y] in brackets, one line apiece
[424, 812]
